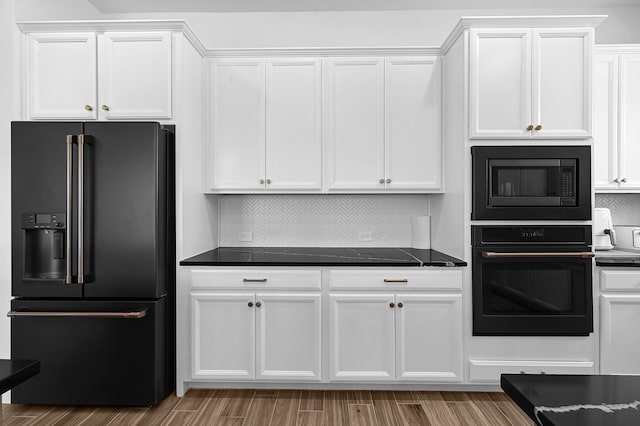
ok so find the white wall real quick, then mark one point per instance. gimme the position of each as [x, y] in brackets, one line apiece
[7, 96]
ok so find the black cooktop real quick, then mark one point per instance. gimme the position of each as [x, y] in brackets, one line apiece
[321, 256]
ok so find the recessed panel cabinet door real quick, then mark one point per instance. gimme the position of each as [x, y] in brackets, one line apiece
[355, 123]
[135, 75]
[61, 71]
[562, 83]
[500, 83]
[293, 124]
[429, 337]
[288, 336]
[361, 337]
[629, 121]
[413, 148]
[605, 121]
[223, 335]
[620, 338]
[236, 125]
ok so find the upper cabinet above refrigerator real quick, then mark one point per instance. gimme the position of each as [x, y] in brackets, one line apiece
[104, 76]
[530, 83]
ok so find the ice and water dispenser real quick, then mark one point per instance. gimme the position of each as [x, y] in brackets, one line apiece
[44, 245]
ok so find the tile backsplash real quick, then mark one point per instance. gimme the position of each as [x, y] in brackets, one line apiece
[625, 208]
[338, 220]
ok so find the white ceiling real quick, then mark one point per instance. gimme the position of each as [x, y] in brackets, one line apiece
[187, 6]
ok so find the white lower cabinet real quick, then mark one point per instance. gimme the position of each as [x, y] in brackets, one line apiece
[619, 316]
[403, 337]
[270, 336]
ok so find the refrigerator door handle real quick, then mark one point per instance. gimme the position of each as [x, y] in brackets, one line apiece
[69, 239]
[72, 314]
[80, 209]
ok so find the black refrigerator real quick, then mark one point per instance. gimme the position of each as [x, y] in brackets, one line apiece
[93, 261]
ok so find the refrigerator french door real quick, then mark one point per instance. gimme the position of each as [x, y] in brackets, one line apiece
[93, 261]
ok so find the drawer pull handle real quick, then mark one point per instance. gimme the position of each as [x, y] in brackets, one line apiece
[254, 280]
[57, 314]
[403, 280]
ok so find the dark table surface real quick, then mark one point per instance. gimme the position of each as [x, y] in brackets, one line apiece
[15, 371]
[576, 400]
[321, 256]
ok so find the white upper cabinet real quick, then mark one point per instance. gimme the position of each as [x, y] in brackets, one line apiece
[294, 124]
[265, 125]
[616, 95]
[113, 75]
[236, 150]
[383, 123]
[134, 75]
[355, 123]
[413, 148]
[61, 72]
[530, 83]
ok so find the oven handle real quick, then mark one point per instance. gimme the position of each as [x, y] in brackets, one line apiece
[538, 255]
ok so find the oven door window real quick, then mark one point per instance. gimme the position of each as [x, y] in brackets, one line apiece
[533, 288]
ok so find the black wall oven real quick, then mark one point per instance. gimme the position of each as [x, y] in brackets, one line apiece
[532, 280]
[531, 182]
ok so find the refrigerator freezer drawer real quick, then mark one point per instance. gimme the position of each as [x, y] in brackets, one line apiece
[93, 352]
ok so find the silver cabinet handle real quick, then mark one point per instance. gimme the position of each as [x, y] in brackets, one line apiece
[254, 280]
[268, 181]
[519, 255]
[261, 181]
[80, 209]
[381, 181]
[402, 280]
[68, 275]
[121, 315]
[105, 108]
[388, 180]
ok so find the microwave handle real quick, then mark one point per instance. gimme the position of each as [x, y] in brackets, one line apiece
[509, 255]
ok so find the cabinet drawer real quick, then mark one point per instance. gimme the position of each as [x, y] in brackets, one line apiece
[256, 279]
[620, 280]
[395, 279]
[490, 371]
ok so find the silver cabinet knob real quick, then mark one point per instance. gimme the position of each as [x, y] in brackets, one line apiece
[623, 180]
[88, 107]
[268, 181]
[261, 181]
[388, 180]
[105, 108]
[381, 181]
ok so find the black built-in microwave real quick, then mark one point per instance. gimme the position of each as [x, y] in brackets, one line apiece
[531, 182]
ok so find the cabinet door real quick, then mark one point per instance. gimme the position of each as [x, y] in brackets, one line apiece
[355, 124]
[223, 335]
[294, 126]
[413, 146]
[361, 337]
[236, 147]
[605, 121]
[61, 73]
[500, 83]
[288, 336]
[620, 342]
[134, 79]
[562, 83]
[629, 127]
[429, 337]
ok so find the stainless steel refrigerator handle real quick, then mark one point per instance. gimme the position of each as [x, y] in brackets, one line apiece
[571, 254]
[69, 276]
[80, 209]
[117, 315]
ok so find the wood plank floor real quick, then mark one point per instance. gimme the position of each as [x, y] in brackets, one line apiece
[289, 408]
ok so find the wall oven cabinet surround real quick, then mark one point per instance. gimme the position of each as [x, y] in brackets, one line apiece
[383, 124]
[532, 280]
[546, 182]
[265, 125]
[99, 75]
[616, 106]
[530, 83]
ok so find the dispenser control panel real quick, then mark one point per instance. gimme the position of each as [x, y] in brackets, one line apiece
[43, 220]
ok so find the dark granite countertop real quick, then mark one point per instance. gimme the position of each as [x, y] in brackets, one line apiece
[618, 257]
[321, 256]
[15, 371]
[580, 400]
